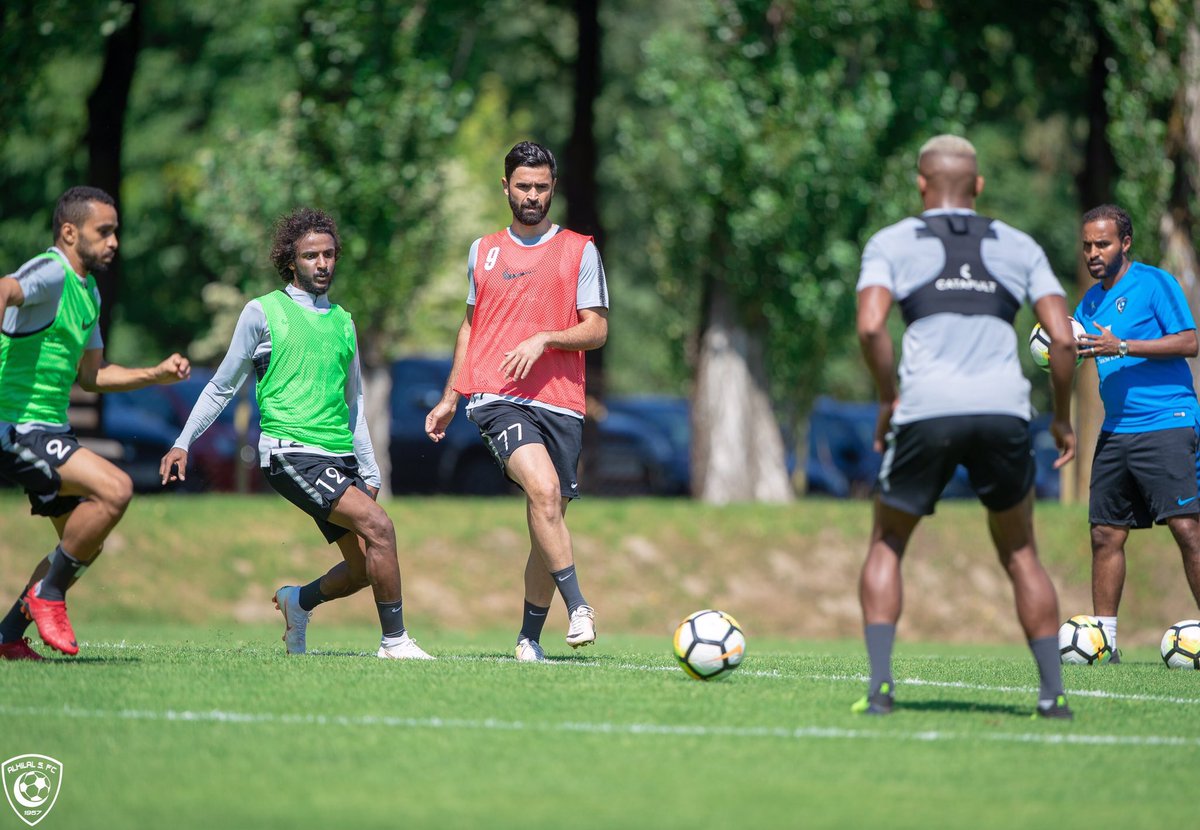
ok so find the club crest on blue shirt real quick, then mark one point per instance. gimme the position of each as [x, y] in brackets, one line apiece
[1121, 304]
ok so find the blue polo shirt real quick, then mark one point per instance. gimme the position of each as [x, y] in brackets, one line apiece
[1142, 394]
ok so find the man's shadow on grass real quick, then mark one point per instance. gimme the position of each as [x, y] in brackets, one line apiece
[963, 706]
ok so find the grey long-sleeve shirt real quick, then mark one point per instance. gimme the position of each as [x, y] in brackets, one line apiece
[251, 348]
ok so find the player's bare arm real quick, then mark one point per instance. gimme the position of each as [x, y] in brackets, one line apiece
[1107, 344]
[11, 294]
[591, 332]
[874, 303]
[1051, 312]
[97, 376]
[440, 416]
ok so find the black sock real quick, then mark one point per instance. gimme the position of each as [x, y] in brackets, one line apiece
[311, 596]
[534, 619]
[1049, 663]
[12, 627]
[391, 618]
[880, 639]
[64, 569]
[568, 586]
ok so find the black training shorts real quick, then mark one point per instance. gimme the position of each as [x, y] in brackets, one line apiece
[313, 483]
[921, 457]
[1143, 478]
[31, 460]
[506, 426]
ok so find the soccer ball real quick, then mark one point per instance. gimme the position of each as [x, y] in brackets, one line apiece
[709, 644]
[34, 786]
[1180, 647]
[1039, 344]
[1082, 639]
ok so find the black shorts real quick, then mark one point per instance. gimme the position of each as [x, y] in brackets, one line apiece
[921, 457]
[1143, 478]
[31, 461]
[313, 483]
[506, 426]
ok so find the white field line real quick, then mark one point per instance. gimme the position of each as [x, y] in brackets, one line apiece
[854, 678]
[638, 729]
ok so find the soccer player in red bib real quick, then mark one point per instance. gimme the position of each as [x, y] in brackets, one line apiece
[537, 301]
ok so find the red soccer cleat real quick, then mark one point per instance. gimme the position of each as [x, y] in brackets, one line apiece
[51, 619]
[19, 650]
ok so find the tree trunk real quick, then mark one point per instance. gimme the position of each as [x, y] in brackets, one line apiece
[737, 448]
[377, 395]
[579, 186]
[1183, 139]
[1095, 186]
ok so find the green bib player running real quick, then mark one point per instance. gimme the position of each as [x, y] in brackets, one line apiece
[49, 338]
[314, 445]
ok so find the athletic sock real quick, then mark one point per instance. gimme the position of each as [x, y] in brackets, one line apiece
[568, 586]
[1109, 624]
[391, 619]
[1049, 663]
[880, 639]
[311, 596]
[533, 621]
[64, 568]
[12, 627]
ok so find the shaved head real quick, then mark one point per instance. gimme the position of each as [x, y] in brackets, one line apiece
[948, 166]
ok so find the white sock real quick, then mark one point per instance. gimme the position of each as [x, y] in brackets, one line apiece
[388, 642]
[1109, 624]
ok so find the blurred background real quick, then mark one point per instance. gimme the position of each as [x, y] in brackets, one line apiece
[729, 156]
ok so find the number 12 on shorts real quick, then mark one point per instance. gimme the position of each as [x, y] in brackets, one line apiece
[333, 473]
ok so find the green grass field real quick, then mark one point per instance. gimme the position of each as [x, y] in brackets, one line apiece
[190, 726]
[183, 711]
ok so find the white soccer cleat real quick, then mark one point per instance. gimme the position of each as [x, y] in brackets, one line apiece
[530, 651]
[582, 631]
[287, 600]
[406, 649]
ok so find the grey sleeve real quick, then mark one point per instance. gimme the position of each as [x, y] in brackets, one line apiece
[472, 256]
[364, 451]
[876, 269]
[95, 341]
[230, 375]
[1042, 282]
[592, 291]
[41, 280]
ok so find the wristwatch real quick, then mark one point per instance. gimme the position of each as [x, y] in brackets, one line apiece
[1122, 349]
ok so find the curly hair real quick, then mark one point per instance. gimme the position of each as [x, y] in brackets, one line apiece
[1114, 214]
[291, 228]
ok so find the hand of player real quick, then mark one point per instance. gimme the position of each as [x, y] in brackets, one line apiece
[883, 422]
[1064, 439]
[174, 369]
[1098, 345]
[519, 362]
[438, 419]
[173, 466]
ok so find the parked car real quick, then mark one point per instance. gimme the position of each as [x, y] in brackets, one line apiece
[147, 421]
[638, 453]
[842, 461]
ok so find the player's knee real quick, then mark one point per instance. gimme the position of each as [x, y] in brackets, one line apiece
[377, 528]
[545, 501]
[117, 492]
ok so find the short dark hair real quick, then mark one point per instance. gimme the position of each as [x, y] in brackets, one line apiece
[529, 154]
[73, 206]
[290, 228]
[1114, 214]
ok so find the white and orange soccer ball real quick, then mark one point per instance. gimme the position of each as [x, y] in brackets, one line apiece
[1180, 648]
[1082, 639]
[709, 644]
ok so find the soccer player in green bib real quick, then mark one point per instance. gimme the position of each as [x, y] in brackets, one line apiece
[314, 447]
[50, 337]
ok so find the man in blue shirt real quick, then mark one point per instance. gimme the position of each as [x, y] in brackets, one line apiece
[1140, 332]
